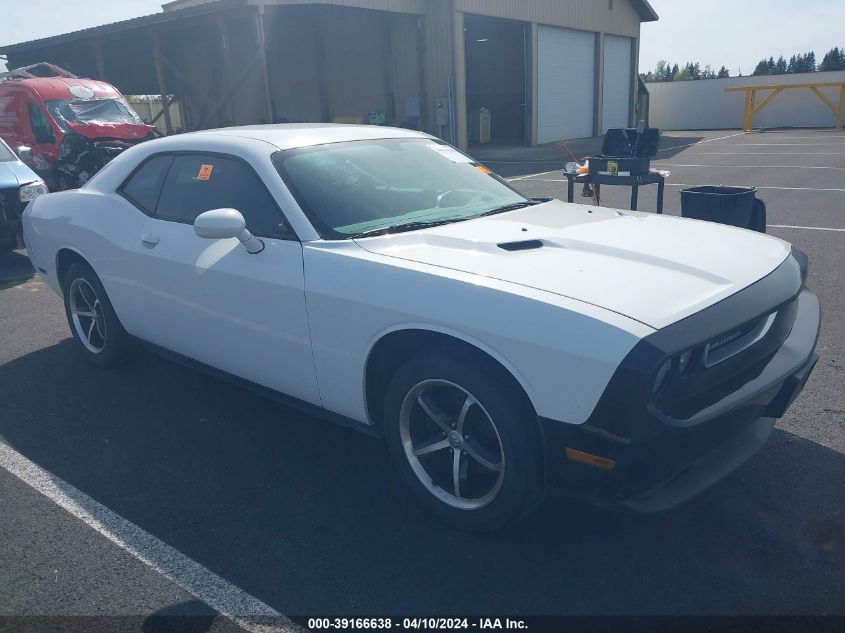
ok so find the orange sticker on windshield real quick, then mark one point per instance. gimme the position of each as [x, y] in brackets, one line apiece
[483, 169]
[205, 172]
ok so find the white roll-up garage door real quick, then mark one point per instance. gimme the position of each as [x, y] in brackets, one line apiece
[616, 100]
[566, 83]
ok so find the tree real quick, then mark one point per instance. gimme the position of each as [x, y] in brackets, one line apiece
[810, 62]
[780, 66]
[762, 68]
[723, 73]
[834, 59]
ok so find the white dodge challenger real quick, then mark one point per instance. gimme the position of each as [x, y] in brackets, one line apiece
[504, 347]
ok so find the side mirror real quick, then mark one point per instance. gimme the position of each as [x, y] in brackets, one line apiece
[25, 153]
[223, 224]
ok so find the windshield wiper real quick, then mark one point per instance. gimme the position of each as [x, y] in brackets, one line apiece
[413, 226]
[409, 226]
[509, 207]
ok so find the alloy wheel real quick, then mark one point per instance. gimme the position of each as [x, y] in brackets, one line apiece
[452, 444]
[86, 311]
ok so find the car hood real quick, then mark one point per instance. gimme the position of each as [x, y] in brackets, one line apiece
[122, 131]
[14, 174]
[652, 268]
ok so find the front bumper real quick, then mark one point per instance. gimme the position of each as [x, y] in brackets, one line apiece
[659, 461]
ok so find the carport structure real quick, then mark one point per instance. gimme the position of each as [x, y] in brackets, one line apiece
[553, 68]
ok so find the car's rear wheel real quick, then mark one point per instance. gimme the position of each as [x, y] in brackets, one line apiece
[91, 317]
[464, 440]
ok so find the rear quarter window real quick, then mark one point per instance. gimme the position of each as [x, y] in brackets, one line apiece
[144, 186]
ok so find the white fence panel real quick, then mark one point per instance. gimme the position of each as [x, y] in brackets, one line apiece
[704, 104]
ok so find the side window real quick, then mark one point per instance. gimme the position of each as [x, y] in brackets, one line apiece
[40, 125]
[144, 186]
[198, 183]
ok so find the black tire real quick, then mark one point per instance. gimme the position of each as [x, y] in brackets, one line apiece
[497, 400]
[107, 333]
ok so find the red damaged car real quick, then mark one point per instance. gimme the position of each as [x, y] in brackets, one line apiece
[71, 126]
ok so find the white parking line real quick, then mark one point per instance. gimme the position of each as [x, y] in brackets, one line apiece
[768, 154]
[748, 166]
[494, 162]
[561, 161]
[804, 228]
[779, 144]
[679, 184]
[544, 173]
[709, 140]
[245, 610]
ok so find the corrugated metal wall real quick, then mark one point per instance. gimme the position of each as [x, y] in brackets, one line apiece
[704, 105]
[401, 6]
[586, 15]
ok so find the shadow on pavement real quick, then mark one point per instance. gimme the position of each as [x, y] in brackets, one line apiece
[15, 268]
[311, 519]
[191, 616]
[516, 161]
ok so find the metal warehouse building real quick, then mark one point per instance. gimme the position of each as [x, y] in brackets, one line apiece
[543, 69]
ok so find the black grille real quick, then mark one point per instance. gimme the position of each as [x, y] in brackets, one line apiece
[10, 214]
[702, 386]
[9, 205]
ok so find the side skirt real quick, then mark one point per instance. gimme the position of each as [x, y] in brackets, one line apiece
[289, 401]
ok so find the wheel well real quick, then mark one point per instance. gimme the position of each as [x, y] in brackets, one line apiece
[64, 259]
[394, 349]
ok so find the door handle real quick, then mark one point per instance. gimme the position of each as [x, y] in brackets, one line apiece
[149, 240]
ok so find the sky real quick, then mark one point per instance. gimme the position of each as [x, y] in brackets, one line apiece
[23, 20]
[739, 33]
[736, 33]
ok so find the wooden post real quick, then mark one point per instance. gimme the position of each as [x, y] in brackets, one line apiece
[259, 27]
[162, 87]
[748, 120]
[101, 65]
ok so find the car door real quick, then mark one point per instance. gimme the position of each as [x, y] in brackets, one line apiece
[212, 300]
[42, 137]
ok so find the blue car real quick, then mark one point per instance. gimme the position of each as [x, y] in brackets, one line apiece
[18, 186]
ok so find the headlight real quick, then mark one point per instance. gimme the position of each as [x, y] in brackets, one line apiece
[662, 376]
[683, 362]
[30, 192]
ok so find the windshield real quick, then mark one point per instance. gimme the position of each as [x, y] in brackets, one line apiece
[361, 187]
[6, 154]
[92, 112]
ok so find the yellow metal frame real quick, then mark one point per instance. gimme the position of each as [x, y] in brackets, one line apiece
[752, 109]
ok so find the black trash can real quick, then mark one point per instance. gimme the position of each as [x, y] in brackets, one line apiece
[735, 206]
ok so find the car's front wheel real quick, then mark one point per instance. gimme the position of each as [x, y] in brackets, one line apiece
[91, 317]
[464, 440]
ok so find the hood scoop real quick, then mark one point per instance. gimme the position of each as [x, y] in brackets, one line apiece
[524, 245]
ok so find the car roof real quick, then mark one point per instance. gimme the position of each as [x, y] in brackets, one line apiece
[296, 135]
[56, 88]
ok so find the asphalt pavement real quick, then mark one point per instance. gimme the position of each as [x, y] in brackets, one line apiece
[310, 519]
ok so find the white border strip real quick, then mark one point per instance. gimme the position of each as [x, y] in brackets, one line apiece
[243, 609]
